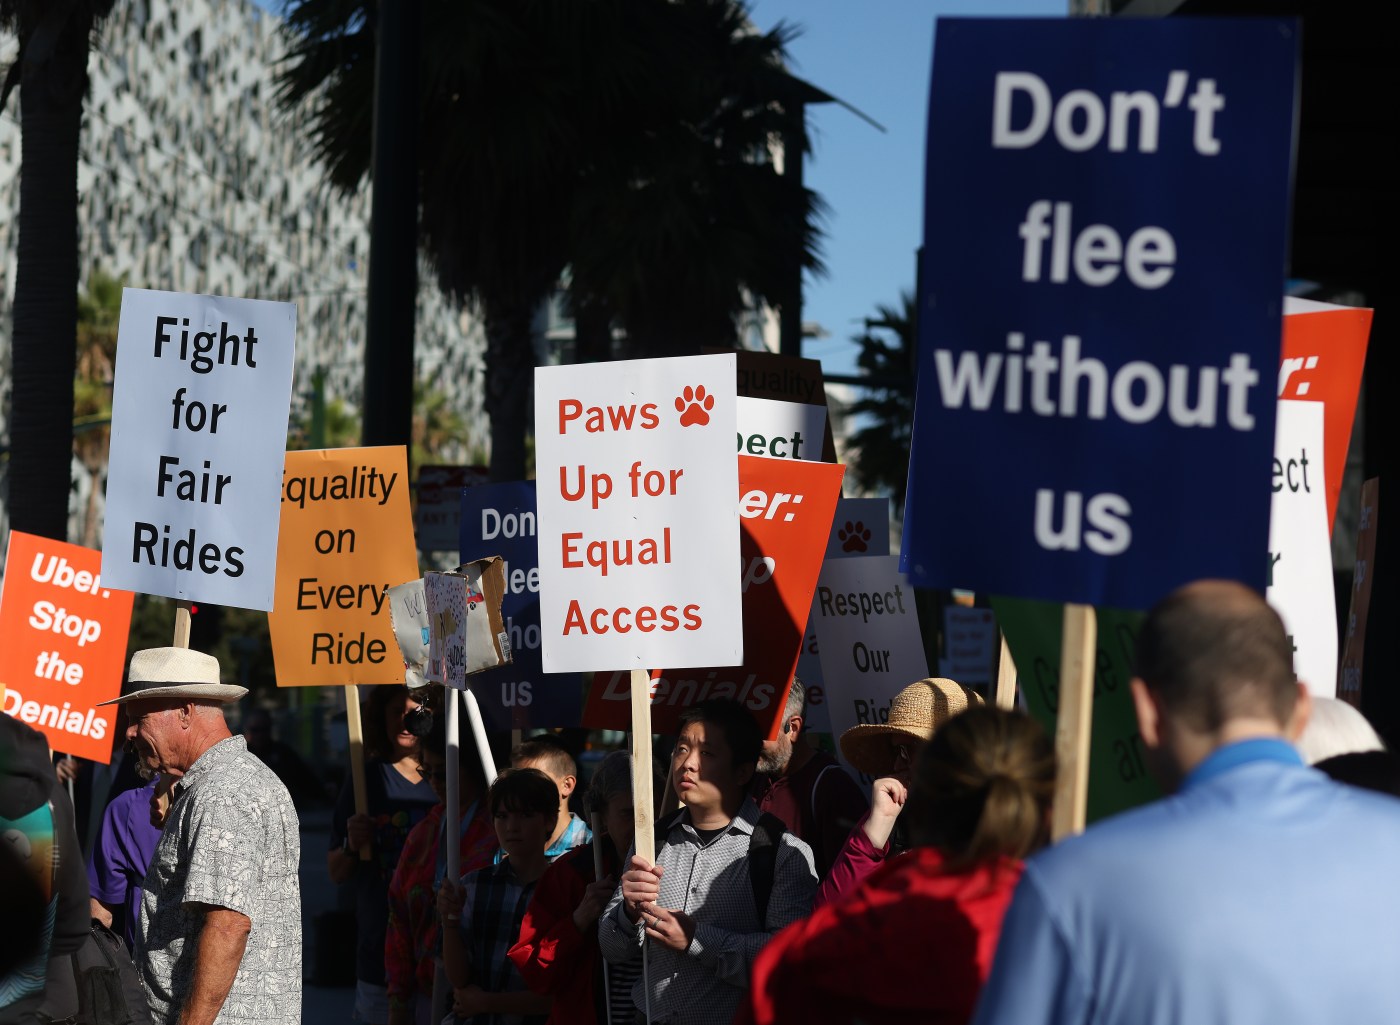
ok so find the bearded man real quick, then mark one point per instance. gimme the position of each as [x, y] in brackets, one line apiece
[806, 788]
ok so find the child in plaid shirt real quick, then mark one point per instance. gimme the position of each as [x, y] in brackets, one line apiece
[481, 917]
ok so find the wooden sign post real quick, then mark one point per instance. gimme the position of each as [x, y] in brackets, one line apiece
[1073, 723]
[1006, 678]
[180, 640]
[635, 509]
[357, 756]
[643, 800]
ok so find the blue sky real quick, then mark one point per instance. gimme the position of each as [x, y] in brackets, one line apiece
[876, 56]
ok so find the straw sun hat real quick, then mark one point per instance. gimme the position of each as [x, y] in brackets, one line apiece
[176, 673]
[915, 713]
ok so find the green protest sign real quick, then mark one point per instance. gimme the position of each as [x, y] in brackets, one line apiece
[1118, 776]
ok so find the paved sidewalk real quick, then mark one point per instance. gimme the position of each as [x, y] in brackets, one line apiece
[321, 1005]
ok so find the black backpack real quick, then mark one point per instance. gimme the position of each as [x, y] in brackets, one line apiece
[763, 856]
[109, 990]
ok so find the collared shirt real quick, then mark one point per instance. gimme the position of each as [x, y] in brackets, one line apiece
[231, 841]
[1259, 894]
[121, 853]
[710, 883]
[575, 834]
[495, 907]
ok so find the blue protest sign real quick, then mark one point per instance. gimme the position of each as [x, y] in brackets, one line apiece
[499, 519]
[1101, 309]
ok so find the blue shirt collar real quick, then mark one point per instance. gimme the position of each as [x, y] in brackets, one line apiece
[1242, 752]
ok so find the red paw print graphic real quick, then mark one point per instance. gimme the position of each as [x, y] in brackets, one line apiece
[854, 537]
[694, 406]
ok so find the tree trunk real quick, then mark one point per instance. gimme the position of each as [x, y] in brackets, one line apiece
[393, 253]
[45, 336]
[510, 382]
[592, 333]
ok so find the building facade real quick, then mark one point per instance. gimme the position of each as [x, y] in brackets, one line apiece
[192, 179]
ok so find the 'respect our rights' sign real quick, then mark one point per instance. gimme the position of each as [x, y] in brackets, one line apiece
[1104, 245]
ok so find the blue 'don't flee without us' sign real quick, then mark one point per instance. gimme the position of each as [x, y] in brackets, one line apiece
[499, 519]
[1100, 309]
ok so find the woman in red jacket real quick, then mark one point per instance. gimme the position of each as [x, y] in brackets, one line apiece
[914, 941]
[557, 951]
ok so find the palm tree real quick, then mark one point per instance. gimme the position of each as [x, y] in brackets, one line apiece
[685, 220]
[627, 138]
[439, 432]
[51, 71]
[878, 453]
[494, 133]
[99, 310]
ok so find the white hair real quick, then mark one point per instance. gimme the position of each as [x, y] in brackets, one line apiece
[796, 700]
[1336, 728]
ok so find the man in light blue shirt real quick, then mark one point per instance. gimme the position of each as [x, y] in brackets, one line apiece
[1261, 892]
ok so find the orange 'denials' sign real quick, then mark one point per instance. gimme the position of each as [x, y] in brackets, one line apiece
[785, 509]
[64, 643]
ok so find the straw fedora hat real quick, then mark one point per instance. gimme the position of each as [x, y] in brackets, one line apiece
[176, 673]
[915, 713]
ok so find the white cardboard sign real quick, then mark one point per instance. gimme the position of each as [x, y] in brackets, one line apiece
[861, 528]
[408, 610]
[1300, 550]
[780, 430]
[199, 428]
[637, 481]
[868, 638]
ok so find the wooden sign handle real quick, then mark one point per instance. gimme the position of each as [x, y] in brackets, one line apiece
[357, 756]
[644, 815]
[182, 625]
[181, 640]
[1006, 678]
[1075, 720]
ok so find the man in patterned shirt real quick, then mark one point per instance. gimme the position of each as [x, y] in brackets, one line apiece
[219, 933]
[698, 905]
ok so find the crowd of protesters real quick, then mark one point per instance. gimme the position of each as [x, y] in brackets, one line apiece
[1260, 890]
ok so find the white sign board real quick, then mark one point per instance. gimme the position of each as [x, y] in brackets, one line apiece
[861, 528]
[1300, 549]
[868, 638]
[199, 428]
[637, 480]
[781, 430]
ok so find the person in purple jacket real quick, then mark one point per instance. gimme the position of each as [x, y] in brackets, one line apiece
[121, 852]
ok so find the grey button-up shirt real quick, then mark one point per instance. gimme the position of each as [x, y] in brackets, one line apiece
[710, 883]
[232, 841]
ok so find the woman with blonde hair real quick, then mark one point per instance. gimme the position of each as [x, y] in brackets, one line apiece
[914, 941]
